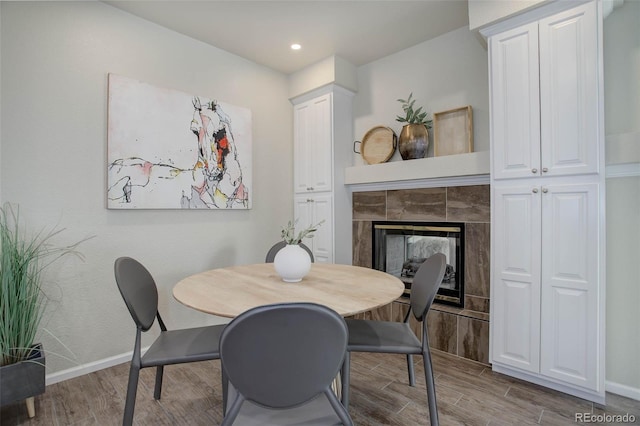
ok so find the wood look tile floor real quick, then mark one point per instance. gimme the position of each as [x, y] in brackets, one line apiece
[468, 394]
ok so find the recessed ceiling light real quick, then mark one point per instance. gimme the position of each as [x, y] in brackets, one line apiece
[296, 46]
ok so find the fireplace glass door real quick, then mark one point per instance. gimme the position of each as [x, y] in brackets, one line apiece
[399, 248]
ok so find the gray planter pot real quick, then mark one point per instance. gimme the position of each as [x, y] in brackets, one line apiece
[413, 141]
[24, 379]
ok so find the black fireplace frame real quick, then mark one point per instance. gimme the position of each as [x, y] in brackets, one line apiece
[444, 295]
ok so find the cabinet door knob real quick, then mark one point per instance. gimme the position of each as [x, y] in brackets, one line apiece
[310, 188]
[534, 190]
[309, 200]
[545, 190]
[534, 171]
[545, 170]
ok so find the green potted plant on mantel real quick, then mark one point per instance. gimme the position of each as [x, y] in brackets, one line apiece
[292, 262]
[414, 136]
[23, 259]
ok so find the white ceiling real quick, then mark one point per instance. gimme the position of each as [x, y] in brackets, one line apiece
[262, 31]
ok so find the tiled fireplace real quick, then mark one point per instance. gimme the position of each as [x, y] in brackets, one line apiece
[460, 331]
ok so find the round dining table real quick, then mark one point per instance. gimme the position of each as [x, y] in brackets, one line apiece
[230, 291]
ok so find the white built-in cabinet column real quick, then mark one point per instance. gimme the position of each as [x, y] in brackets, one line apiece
[547, 152]
[323, 137]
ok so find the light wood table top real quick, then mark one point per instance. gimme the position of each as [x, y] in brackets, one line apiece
[227, 292]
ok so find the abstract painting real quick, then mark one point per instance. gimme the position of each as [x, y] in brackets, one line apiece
[171, 150]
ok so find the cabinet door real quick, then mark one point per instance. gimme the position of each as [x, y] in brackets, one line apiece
[313, 145]
[569, 85]
[570, 299]
[303, 212]
[320, 161]
[515, 103]
[322, 206]
[515, 312]
[309, 210]
[302, 140]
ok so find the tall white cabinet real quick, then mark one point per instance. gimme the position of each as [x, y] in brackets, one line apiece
[547, 179]
[323, 137]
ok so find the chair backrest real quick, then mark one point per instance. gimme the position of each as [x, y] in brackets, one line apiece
[271, 254]
[283, 355]
[425, 284]
[139, 291]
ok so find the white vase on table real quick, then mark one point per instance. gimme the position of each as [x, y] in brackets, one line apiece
[292, 263]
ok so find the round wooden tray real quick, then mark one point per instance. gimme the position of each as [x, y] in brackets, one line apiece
[378, 145]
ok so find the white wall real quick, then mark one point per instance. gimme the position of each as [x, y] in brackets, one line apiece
[0, 103]
[447, 72]
[623, 286]
[55, 61]
[622, 129]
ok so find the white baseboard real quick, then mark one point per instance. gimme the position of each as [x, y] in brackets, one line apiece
[91, 367]
[589, 395]
[622, 390]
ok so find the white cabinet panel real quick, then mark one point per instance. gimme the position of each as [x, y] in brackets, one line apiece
[320, 161]
[303, 212]
[302, 149]
[516, 276]
[569, 92]
[517, 329]
[311, 209]
[323, 240]
[313, 145]
[570, 297]
[565, 347]
[515, 109]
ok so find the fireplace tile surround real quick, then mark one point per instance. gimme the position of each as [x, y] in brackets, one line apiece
[462, 332]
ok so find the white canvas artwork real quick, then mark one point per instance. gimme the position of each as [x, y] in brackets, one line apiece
[171, 150]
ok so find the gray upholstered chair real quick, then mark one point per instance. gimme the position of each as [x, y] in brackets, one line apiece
[138, 289]
[271, 254]
[278, 364]
[397, 337]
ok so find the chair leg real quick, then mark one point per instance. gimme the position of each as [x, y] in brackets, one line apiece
[132, 389]
[410, 369]
[340, 410]
[345, 377]
[231, 415]
[225, 392]
[158, 388]
[431, 388]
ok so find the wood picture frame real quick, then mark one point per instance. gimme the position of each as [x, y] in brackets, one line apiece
[453, 131]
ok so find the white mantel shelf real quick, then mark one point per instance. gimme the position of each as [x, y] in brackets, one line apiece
[450, 170]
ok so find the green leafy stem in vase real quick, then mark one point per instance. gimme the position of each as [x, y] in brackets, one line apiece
[289, 232]
[413, 116]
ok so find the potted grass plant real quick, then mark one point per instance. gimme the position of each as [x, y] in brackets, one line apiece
[414, 136]
[24, 257]
[292, 262]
